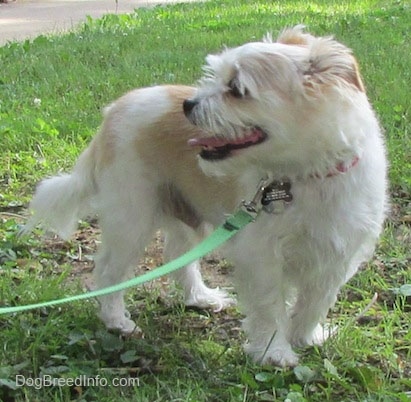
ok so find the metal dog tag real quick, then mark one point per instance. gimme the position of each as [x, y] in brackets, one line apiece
[271, 197]
[276, 197]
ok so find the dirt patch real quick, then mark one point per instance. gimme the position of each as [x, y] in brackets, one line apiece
[79, 253]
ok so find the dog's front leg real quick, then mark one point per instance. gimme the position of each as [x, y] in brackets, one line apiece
[317, 291]
[262, 298]
[267, 341]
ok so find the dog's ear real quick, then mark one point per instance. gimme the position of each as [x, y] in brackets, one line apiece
[355, 78]
[295, 36]
[331, 63]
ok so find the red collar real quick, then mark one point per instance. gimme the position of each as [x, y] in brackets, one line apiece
[269, 192]
[342, 167]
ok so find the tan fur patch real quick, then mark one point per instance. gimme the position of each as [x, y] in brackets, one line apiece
[163, 147]
[174, 204]
[356, 77]
[294, 36]
[102, 147]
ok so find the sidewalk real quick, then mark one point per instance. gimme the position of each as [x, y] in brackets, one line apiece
[23, 19]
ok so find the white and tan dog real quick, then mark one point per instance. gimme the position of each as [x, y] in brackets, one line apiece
[293, 112]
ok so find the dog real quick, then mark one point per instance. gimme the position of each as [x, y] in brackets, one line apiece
[291, 114]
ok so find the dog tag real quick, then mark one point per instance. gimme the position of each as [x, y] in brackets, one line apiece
[276, 196]
[272, 198]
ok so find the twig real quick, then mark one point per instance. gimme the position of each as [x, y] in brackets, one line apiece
[367, 307]
[268, 345]
[12, 215]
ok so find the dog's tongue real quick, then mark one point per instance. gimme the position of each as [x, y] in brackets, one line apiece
[214, 142]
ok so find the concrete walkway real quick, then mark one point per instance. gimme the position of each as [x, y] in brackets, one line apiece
[23, 19]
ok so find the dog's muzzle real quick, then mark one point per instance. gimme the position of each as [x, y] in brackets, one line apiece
[188, 106]
[219, 147]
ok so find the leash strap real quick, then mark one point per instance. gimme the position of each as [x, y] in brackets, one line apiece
[223, 233]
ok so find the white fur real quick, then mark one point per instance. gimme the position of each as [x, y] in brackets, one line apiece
[306, 94]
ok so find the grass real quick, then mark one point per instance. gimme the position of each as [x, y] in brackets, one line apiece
[52, 90]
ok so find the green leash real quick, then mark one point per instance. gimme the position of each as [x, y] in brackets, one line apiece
[223, 233]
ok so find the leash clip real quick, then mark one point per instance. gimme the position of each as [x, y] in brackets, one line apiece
[271, 197]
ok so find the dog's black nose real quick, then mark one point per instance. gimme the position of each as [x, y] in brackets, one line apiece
[188, 106]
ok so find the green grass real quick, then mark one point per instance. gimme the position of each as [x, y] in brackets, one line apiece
[52, 90]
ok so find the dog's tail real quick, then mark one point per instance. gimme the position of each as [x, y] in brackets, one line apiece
[61, 201]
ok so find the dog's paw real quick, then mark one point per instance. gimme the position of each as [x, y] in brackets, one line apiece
[215, 299]
[122, 324]
[276, 355]
[125, 326]
[320, 334]
[280, 357]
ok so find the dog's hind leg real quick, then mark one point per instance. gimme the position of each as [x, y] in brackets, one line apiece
[112, 267]
[127, 226]
[179, 239]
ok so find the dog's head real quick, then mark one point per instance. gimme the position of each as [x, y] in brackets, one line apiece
[270, 103]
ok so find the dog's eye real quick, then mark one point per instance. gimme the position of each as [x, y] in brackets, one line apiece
[234, 89]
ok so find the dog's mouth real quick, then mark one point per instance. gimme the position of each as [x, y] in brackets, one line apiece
[217, 148]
